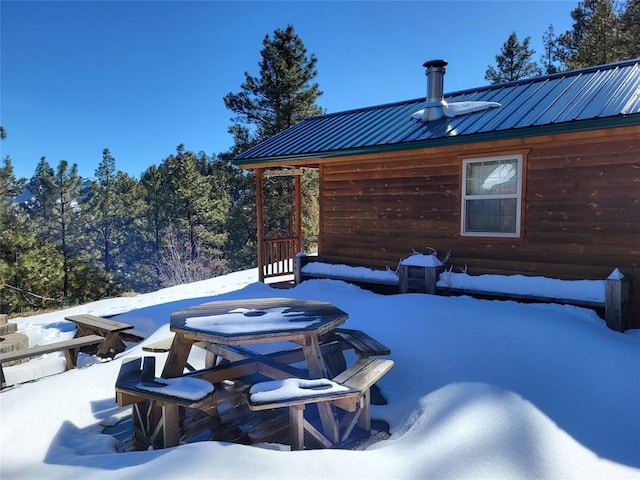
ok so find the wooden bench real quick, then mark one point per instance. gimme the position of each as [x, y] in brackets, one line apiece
[91, 325]
[383, 284]
[155, 401]
[69, 347]
[353, 398]
[363, 344]
[614, 305]
[161, 346]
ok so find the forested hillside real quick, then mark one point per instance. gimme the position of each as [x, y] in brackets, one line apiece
[66, 240]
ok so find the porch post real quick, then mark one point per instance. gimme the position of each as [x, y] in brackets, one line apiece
[298, 213]
[616, 300]
[260, 223]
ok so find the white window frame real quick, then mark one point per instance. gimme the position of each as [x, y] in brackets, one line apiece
[517, 195]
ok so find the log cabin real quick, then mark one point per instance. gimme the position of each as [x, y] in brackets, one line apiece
[536, 177]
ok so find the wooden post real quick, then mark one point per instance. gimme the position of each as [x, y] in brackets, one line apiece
[298, 182]
[616, 295]
[260, 223]
[299, 261]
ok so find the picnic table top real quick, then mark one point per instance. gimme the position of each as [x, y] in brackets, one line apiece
[236, 322]
[99, 323]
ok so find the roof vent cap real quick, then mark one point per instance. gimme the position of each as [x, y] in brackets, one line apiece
[435, 90]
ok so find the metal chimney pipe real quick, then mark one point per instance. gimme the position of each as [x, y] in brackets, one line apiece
[435, 91]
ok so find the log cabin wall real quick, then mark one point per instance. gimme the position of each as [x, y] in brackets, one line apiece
[580, 208]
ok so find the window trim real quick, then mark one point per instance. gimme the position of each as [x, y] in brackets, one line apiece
[519, 157]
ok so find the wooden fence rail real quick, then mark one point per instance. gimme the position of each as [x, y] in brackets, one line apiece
[278, 255]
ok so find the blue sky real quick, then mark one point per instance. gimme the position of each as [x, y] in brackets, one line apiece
[141, 77]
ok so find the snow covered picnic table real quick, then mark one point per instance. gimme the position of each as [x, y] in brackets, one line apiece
[225, 328]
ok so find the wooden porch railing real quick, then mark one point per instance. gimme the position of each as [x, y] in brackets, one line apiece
[277, 256]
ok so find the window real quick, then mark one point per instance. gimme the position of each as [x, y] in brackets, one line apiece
[491, 196]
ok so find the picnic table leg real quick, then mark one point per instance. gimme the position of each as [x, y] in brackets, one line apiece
[170, 425]
[318, 369]
[364, 421]
[296, 427]
[111, 346]
[178, 355]
[71, 357]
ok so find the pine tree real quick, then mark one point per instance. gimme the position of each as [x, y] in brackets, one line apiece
[283, 94]
[189, 209]
[30, 266]
[108, 210]
[43, 199]
[155, 216]
[596, 37]
[630, 27]
[550, 57]
[102, 208]
[513, 62]
[64, 186]
[133, 254]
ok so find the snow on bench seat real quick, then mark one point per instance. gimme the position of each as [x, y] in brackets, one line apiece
[349, 273]
[588, 292]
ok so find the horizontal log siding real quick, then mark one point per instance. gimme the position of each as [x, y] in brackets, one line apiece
[581, 208]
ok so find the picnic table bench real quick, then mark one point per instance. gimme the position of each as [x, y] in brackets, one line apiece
[69, 347]
[91, 325]
[138, 386]
[348, 391]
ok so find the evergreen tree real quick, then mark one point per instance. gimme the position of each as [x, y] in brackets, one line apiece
[630, 27]
[43, 199]
[133, 254]
[103, 209]
[596, 37]
[65, 186]
[30, 269]
[155, 216]
[513, 62]
[550, 57]
[108, 211]
[190, 210]
[283, 94]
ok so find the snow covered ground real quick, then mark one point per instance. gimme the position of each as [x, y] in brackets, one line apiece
[480, 389]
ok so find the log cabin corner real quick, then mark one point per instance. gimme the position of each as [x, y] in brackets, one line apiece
[536, 177]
